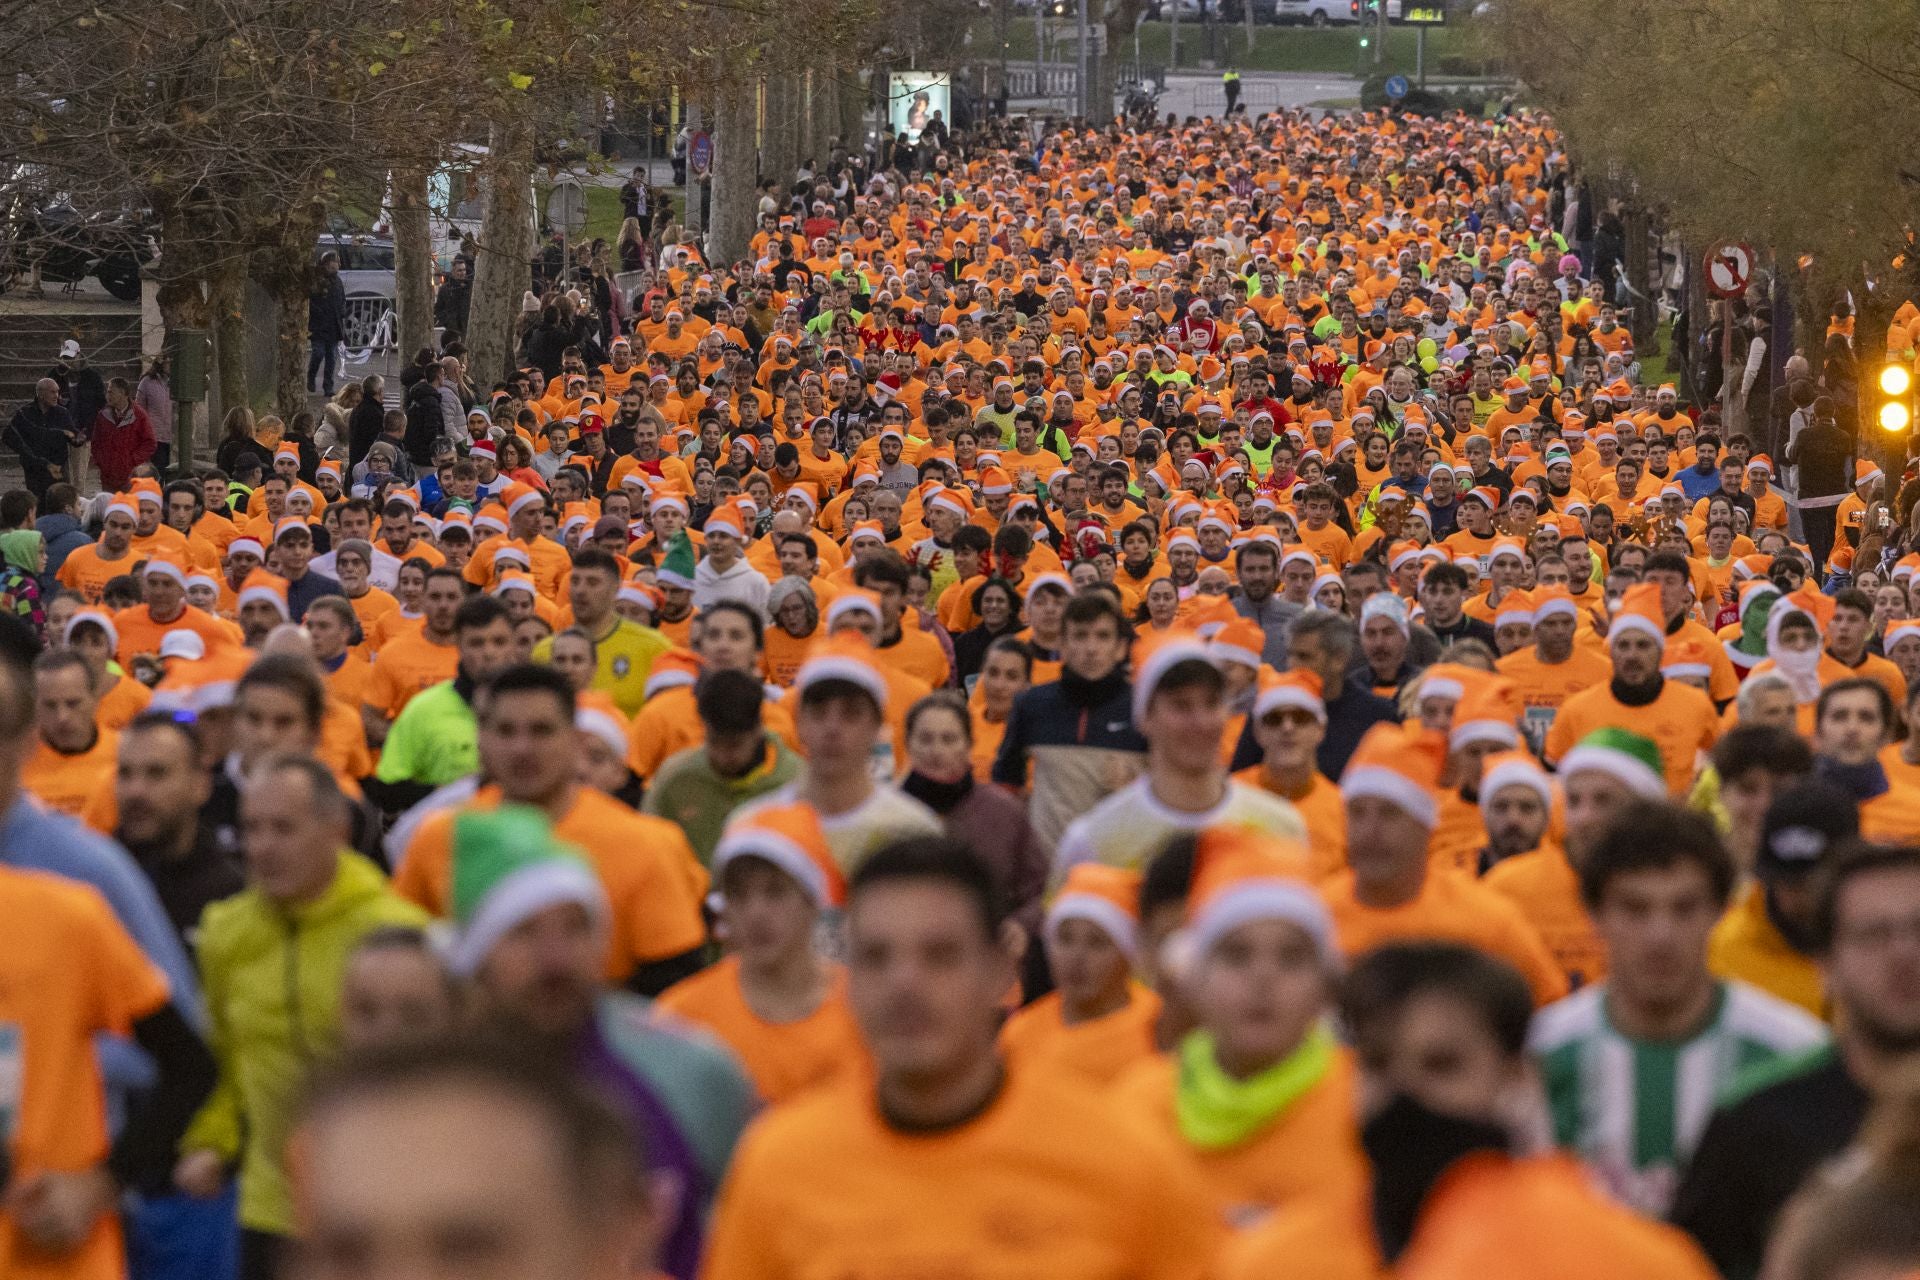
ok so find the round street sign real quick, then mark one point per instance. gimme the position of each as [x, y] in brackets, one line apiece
[1396, 87]
[700, 153]
[1729, 268]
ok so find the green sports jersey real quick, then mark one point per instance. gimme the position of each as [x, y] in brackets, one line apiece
[435, 740]
[1632, 1109]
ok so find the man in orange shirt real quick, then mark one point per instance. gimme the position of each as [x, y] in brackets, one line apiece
[86, 570]
[914, 652]
[1098, 1021]
[69, 973]
[164, 610]
[529, 749]
[1551, 669]
[774, 1000]
[1258, 1100]
[415, 659]
[1289, 723]
[912, 1171]
[76, 757]
[1389, 892]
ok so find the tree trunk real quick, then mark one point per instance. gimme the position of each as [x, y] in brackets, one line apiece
[780, 137]
[825, 118]
[504, 251]
[282, 263]
[230, 333]
[735, 165]
[1646, 317]
[412, 261]
[852, 125]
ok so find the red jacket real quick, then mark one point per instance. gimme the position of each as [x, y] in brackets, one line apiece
[120, 444]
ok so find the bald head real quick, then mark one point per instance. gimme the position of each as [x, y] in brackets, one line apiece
[288, 637]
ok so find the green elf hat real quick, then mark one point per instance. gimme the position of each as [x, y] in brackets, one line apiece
[507, 868]
[677, 569]
[1630, 758]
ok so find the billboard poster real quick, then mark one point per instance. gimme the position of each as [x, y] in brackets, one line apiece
[913, 97]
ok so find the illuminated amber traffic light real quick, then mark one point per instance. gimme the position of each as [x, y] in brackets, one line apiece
[1896, 395]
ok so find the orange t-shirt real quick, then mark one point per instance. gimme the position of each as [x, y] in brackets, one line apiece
[1459, 835]
[1100, 1051]
[406, 665]
[348, 682]
[1681, 722]
[785, 654]
[1545, 687]
[1324, 812]
[1040, 1184]
[1448, 908]
[653, 881]
[782, 1059]
[919, 655]
[68, 971]
[139, 633]
[85, 574]
[1545, 887]
[124, 699]
[63, 782]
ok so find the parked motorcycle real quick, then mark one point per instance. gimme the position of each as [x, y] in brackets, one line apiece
[67, 246]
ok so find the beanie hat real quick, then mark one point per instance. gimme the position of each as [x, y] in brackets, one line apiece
[1511, 769]
[1640, 611]
[507, 868]
[1400, 764]
[1106, 897]
[1241, 876]
[676, 569]
[790, 837]
[1385, 604]
[1631, 759]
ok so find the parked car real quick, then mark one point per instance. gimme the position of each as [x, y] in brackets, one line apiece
[367, 274]
[1316, 13]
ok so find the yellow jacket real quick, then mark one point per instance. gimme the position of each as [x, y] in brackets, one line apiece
[1747, 945]
[272, 981]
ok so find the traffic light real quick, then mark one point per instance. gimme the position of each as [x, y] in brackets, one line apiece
[1896, 398]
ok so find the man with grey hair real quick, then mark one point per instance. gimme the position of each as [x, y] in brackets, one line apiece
[1766, 699]
[40, 432]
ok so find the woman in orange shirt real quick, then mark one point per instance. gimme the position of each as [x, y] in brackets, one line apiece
[775, 1001]
[796, 629]
[1007, 674]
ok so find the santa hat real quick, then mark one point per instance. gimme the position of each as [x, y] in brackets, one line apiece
[1106, 897]
[1239, 641]
[1489, 712]
[508, 868]
[517, 497]
[1298, 688]
[595, 713]
[1243, 876]
[674, 669]
[849, 657]
[1640, 611]
[164, 564]
[512, 552]
[289, 526]
[1906, 629]
[677, 566]
[483, 449]
[790, 837]
[728, 520]
[1627, 757]
[1401, 765]
[492, 517]
[1516, 607]
[852, 600]
[513, 580]
[1551, 602]
[261, 585]
[145, 490]
[1447, 680]
[638, 591]
[124, 504]
[1514, 768]
[1175, 649]
[866, 531]
[96, 618]
[1686, 658]
[1040, 580]
[953, 500]
[1817, 607]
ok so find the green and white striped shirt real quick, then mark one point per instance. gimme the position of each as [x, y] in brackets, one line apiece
[1633, 1109]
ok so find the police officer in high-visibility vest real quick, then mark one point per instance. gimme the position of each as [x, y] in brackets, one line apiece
[1230, 81]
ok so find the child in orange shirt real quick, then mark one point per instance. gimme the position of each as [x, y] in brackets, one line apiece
[775, 1001]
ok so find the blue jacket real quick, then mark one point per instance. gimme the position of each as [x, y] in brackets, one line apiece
[62, 533]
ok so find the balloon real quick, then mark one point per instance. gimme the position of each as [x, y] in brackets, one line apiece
[1427, 346]
[1429, 363]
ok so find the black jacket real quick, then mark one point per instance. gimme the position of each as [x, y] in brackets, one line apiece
[1076, 733]
[327, 310]
[363, 428]
[425, 422]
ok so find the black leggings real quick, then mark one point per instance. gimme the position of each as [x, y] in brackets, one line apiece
[1818, 524]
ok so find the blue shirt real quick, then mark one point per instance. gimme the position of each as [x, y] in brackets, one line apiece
[1697, 486]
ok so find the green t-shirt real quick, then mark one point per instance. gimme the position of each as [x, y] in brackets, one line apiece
[686, 790]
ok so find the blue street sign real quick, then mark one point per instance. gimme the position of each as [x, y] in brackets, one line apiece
[1396, 87]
